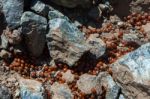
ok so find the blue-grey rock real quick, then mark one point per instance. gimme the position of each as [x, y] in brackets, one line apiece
[73, 3]
[61, 91]
[132, 73]
[39, 7]
[65, 42]
[112, 89]
[56, 14]
[4, 93]
[13, 10]
[31, 89]
[34, 31]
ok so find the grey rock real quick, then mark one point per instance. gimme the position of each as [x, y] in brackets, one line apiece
[4, 41]
[61, 91]
[31, 89]
[73, 3]
[34, 31]
[147, 29]
[68, 76]
[39, 7]
[56, 14]
[131, 38]
[132, 73]
[5, 54]
[112, 89]
[96, 45]
[87, 82]
[4, 92]
[65, 42]
[13, 10]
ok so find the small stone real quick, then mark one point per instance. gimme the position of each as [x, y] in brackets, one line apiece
[87, 82]
[61, 91]
[96, 45]
[4, 41]
[39, 7]
[68, 76]
[31, 89]
[112, 89]
[4, 54]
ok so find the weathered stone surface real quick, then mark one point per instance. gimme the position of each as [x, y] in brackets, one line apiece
[56, 14]
[112, 89]
[39, 7]
[132, 73]
[96, 45]
[61, 91]
[68, 76]
[13, 10]
[147, 29]
[4, 93]
[34, 31]
[31, 89]
[65, 42]
[73, 3]
[131, 38]
[4, 41]
[87, 82]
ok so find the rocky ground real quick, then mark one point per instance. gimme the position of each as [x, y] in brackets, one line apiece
[66, 49]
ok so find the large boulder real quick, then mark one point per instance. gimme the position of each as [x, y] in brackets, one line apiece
[61, 91]
[13, 10]
[4, 93]
[65, 42]
[132, 73]
[73, 3]
[31, 89]
[34, 31]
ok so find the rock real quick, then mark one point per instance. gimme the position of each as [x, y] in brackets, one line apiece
[97, 46]
[4, 93]
[132, 38]
[87, 82]
[112, 89]
[4, 41]
[13, 11]
[31, 89]
[56, 14]
[39, 7]
[65, 42]
[61, 91]
[132, 73]
[34, 31]
[146, 28]
[73, 3]
[68, 76]
[5, 54]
